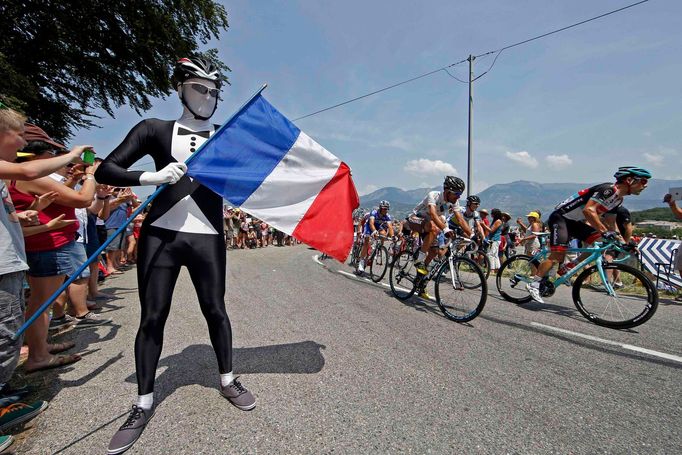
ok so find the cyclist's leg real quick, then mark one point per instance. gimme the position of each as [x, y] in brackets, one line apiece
[558, 241]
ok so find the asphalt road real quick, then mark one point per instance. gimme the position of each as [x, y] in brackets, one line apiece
[340, 366]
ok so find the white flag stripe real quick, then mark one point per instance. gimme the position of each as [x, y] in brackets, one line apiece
[290, 189]
[284, 218]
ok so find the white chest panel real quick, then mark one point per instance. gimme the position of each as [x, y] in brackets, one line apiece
[186, 216]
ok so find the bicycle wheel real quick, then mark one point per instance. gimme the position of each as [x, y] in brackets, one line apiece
[378, 264]
[402, 276]
[481, 259]
[634, 302]
[355, 254]
[461, 291]
[512, 277]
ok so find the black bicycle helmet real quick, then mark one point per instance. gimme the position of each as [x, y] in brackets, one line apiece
[384, 204]
[188, 68]
[454, 184]
[473, 200]
[631, 171]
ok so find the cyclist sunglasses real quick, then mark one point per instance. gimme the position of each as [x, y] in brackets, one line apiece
[202, 89]
[642, 180]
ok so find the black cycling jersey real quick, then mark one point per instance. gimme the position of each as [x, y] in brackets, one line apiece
[604, 194]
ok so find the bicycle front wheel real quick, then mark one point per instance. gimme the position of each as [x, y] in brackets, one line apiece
[461, 291]
[512, 278]
[378, 264]
[402, 276]
[634, 301]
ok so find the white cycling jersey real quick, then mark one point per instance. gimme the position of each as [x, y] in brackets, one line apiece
[437, 199]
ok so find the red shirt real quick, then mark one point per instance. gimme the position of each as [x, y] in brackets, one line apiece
[50, 240]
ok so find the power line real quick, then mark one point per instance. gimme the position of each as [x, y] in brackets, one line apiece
[381, 90]
[563, 28]
[445, 68]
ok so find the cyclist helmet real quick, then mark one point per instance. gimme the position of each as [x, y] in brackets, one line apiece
[384, 204]
[631, 171]
[473, 200]
[454, 184]
[197, 67]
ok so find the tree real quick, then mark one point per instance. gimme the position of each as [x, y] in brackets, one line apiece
[62, 59]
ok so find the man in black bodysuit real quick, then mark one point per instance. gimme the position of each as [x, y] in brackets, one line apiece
[183, 227]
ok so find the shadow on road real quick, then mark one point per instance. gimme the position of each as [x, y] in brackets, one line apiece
[197, 364]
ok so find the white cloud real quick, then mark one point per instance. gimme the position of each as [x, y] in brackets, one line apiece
[654, 159]
[558, 161]
[523, 158]
[426, 166]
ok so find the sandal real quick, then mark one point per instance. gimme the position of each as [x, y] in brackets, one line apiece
[56, 362]
[56, 348]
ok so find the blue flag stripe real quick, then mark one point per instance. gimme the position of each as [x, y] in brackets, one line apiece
[235, 163]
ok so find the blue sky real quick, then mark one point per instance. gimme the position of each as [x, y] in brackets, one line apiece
[567, 108]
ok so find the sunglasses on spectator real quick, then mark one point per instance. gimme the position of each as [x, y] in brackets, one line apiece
[202, 89]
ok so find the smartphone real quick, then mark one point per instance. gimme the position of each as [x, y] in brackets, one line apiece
[89, 156]
[676, 193]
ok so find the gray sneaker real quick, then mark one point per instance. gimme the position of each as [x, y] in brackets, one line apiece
[131, 430]
[238, 395]
[58, 323]
[89, 320]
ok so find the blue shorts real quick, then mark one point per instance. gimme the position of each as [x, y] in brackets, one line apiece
[64, 260]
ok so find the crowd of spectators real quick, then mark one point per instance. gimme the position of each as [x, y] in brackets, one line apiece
[244, 231]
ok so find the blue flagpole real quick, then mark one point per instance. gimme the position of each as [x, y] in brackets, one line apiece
[137, 211]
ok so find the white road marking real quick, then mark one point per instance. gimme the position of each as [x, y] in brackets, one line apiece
[316, 258]
[629, 347]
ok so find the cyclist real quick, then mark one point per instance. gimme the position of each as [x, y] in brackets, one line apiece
[378, 222]
[428, 218]
[471, 217]
[579, 217]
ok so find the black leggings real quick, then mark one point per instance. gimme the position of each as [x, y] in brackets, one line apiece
[161, 253]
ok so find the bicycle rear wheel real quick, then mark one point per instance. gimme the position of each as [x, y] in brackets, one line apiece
[634, 301]
[461, 291]
[402, 276]
[481, 259]
[378, 264]
[512, 278]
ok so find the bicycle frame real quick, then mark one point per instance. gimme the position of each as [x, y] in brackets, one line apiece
[596, 253]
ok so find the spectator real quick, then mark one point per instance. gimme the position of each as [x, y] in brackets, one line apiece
[677, 211]
[13, 261]
[117, 217]
[484, 217]
[530, 242]
[494, 233]
[52, 255]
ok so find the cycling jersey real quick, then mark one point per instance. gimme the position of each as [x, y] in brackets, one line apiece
[437, 199]
[604, 194]
[381, 222]
[470, 217]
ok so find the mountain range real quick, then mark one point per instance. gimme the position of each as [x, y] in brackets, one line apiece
[519, 197]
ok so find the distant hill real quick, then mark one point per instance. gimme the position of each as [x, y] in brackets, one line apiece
[520, 197]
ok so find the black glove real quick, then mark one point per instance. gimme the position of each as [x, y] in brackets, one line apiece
[609, 235]
[630, 246]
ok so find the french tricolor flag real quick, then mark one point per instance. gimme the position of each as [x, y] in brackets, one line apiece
[263, 163]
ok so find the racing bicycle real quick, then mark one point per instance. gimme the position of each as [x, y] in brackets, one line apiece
[606, 291]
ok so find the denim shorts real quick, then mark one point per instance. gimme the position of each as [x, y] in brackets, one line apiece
[63, 261]
[117, 243]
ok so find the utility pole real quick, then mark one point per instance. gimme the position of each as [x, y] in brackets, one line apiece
[471, 107]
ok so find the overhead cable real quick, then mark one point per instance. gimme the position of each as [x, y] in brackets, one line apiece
[445, 68]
